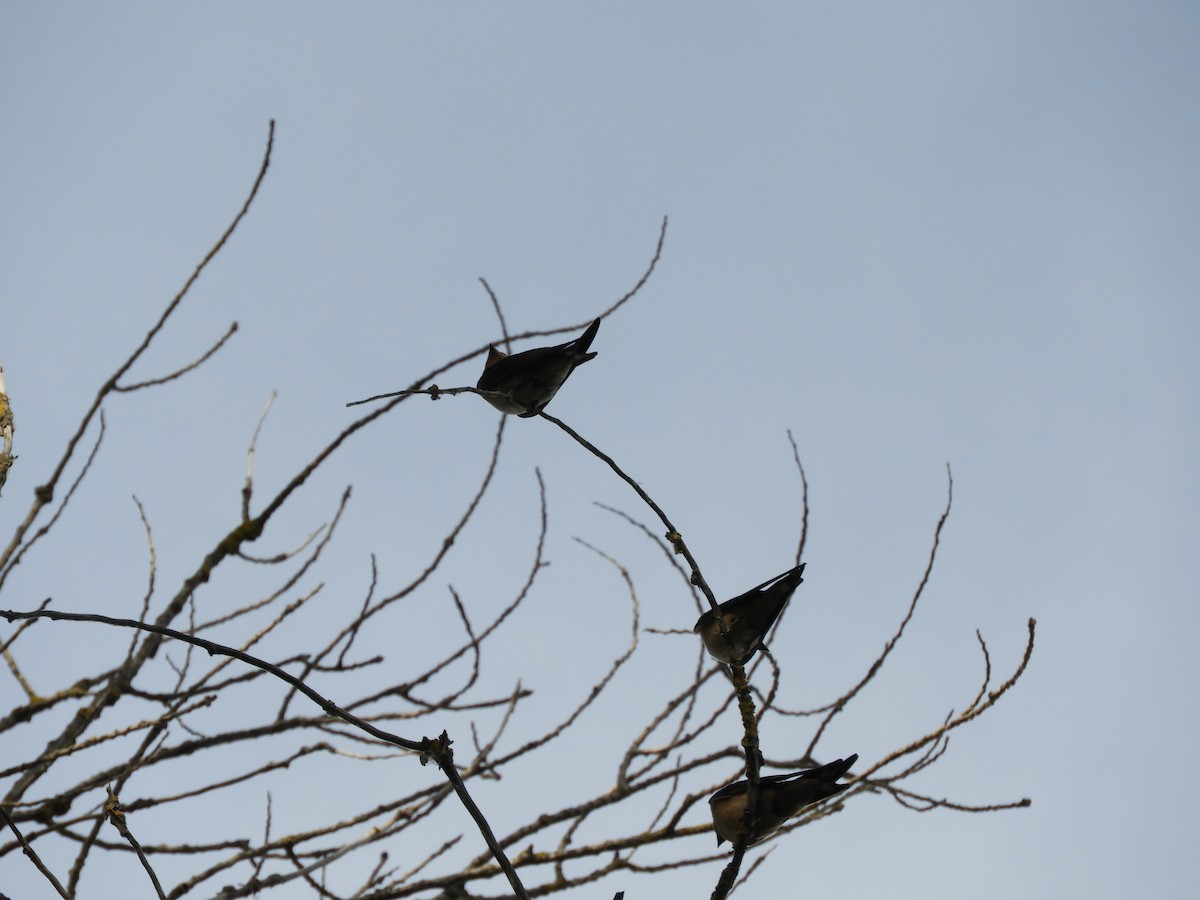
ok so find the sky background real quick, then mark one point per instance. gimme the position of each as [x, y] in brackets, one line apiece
[914, 234]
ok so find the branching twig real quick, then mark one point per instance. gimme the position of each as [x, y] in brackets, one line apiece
[44, 494]
[437, 749]
[673, 535]
[196, 363]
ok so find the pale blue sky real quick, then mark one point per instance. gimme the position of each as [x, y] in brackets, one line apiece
[912, 233]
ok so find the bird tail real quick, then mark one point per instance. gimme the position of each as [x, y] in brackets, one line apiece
[792, 576]
[836, 769]
[580, 344]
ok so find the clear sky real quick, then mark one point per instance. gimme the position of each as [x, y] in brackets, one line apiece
[912, 233]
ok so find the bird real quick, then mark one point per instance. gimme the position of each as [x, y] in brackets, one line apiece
[522, 384]
[779, 798]
[747, 617]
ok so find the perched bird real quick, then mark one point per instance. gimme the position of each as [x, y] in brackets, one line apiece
[747, 617]
[779, 798]
[529, 379]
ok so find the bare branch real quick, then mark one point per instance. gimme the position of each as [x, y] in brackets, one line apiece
[196, 363]
[45, 493]
[499, 314]
[248, 488]
[436, 749]
[33, 857]
[673, 535]
[841, 702]
[115, 815]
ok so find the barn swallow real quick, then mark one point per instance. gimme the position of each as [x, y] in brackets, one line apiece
[779, 798]
[529, 379]
[748, 617]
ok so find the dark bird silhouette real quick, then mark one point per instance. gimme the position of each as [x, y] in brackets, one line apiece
[779, 798]
[525, 382]
[747, 617]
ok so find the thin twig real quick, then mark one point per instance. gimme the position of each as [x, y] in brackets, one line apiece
[841, 702]
[32, 854]
[153, 382]
[673, 535]
[112, 809]
[248, 487]
[499, 314]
